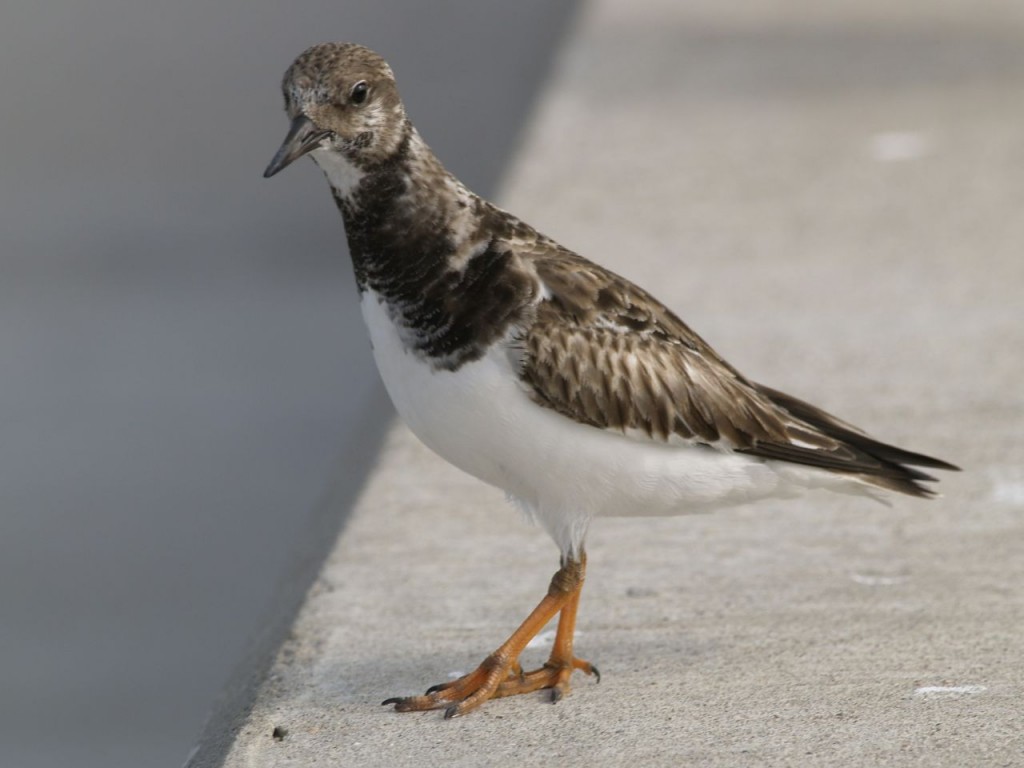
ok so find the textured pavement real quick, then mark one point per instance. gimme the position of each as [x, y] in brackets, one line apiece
[832, 198]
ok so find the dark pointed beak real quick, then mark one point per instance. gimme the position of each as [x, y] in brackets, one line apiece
[303, 137]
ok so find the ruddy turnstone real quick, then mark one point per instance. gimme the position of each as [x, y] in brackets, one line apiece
[540, 372]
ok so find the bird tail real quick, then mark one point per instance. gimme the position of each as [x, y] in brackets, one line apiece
[878, 463]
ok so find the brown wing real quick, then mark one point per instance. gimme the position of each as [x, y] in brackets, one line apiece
[605, 353]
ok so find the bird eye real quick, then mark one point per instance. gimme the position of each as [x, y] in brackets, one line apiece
[359, 92]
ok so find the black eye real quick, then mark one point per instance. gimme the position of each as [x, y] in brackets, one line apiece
[359, 92]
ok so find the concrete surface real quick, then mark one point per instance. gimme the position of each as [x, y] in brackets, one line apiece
[831, 195]
[188, 403]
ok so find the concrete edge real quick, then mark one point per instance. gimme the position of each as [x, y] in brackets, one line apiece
[324, 524]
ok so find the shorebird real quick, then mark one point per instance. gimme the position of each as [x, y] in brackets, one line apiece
[537, 371]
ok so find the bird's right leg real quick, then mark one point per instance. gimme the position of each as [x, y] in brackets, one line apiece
[500, 673]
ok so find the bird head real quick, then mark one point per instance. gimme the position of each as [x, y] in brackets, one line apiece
[342, 100]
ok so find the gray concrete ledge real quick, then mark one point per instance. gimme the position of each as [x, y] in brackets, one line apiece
[320, 529]
[831, 196]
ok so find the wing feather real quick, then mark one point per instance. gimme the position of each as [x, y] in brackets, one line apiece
[604, 352]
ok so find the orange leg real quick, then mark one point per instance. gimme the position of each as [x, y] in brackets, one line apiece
[500, 674]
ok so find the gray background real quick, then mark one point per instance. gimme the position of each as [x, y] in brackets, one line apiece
[184, 370]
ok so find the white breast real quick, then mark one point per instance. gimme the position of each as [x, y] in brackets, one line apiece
[480, 419]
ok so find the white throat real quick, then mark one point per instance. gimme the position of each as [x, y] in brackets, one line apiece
[342, 175]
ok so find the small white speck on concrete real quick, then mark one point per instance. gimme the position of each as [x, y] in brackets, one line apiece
[543, 639]
[1008, 486]
[872, 580]
[936, 691]
[546, 638]
[896, 146]
[1009, 493]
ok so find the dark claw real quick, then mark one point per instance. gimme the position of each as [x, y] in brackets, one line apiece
[596, 672]
[451, 712]
[556, 695]
[394, 700]
[435, 688]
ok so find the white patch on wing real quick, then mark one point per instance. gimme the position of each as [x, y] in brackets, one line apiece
[804, 444]
[544, 293]
[465, 250]
[603, 321]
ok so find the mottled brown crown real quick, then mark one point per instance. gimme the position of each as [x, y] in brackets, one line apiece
[326, 72]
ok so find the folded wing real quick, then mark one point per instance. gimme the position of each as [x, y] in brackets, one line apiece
[605, 353]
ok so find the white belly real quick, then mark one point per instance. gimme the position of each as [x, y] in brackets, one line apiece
[480, 419]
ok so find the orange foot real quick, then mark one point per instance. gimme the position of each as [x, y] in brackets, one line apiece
[500, 673]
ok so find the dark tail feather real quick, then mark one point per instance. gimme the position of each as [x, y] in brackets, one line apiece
[847, 433]
[875, 462]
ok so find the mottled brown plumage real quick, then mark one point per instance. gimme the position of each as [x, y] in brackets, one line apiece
[606, 353]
